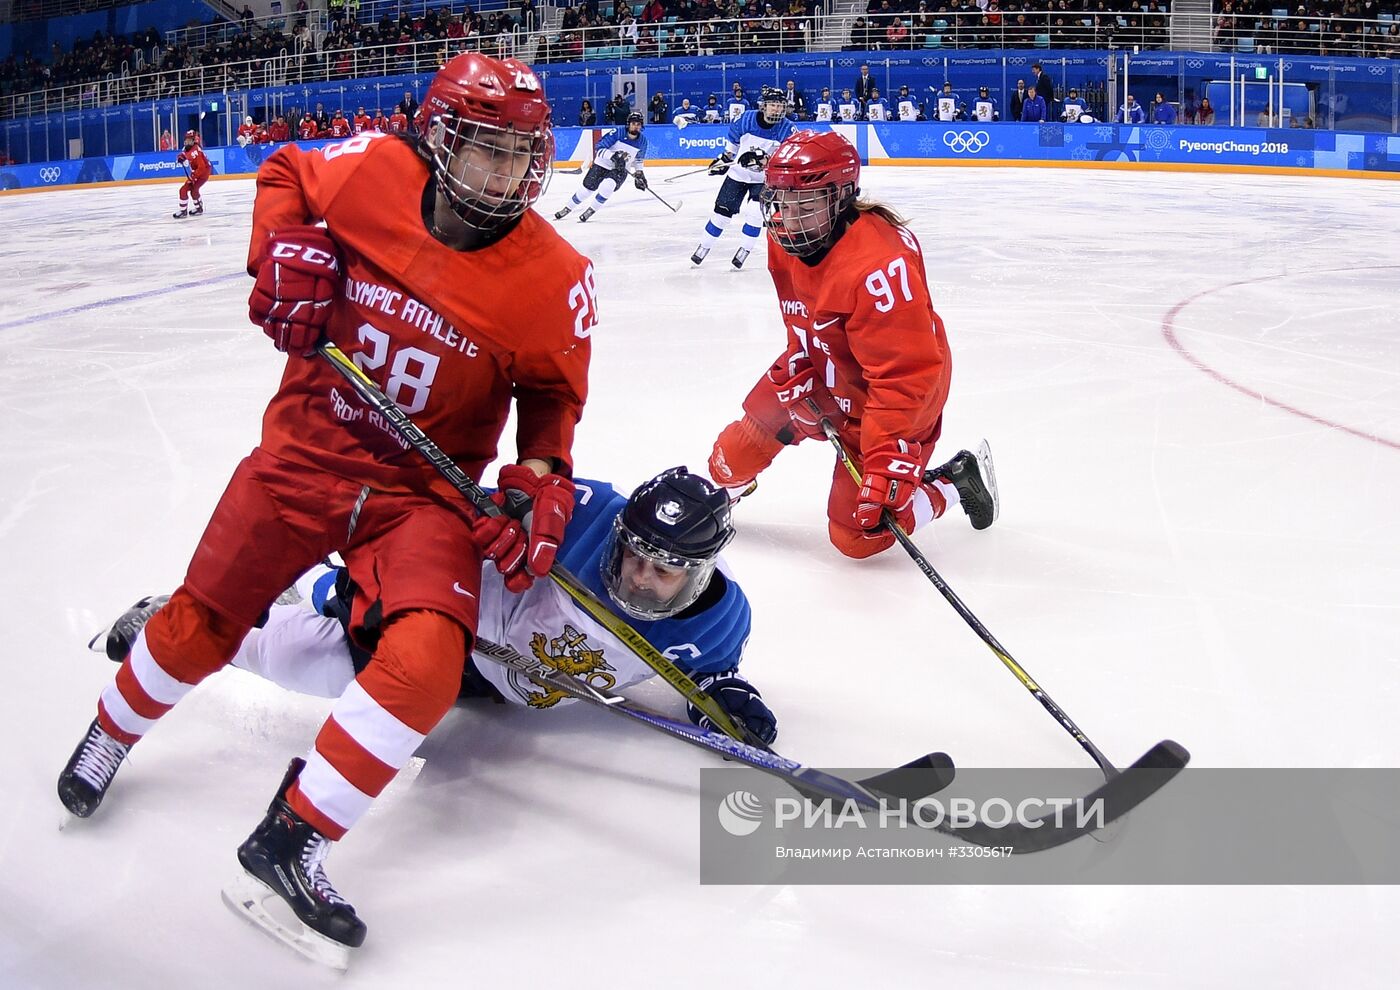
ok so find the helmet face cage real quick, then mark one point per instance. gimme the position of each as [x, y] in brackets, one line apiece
[802, 221]
[490, 175]
[772, 103]
[661, 583]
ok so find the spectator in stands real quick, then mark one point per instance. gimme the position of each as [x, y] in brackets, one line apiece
[529, 15]
[896, 35]
[1205, 113]
[1033, 107]
[1162, 111]
[586, 116]
[1131, 112]
[658, 109]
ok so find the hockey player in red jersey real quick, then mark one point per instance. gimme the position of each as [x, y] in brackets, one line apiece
[398, 120]
[308, 129]
[400, 288]
[246, 132]
[197, 170]
[362, 122]
[864, 342]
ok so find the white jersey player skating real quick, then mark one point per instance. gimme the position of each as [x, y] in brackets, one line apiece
[751, 138]
[653, 557]
[618, 153]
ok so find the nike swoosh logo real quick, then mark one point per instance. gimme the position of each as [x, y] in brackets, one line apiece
[457, 587]
[823, 326]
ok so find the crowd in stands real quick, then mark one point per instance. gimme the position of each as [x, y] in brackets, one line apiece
[680, 27]
[1312, 27]
[902, 24]
[388, 45]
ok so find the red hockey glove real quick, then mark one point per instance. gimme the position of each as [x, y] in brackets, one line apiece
[502, 539]
[892, 474]
[546, 504]
[180, 158]
[795, 392]
[740, 452]
[297, 279]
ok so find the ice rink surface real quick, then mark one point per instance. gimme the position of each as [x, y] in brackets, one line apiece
[1192, 387]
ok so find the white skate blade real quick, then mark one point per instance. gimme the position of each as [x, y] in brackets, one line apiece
[255, 902]
[989, 476]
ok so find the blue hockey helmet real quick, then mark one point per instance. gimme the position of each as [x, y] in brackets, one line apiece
[665, 544]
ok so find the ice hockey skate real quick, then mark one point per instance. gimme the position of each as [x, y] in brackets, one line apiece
[976, 481]
[700, 252]
[284, 889]
[586, 215]
[560, 214]
[181, 214]
[198, 210]
[740, 256]
[115, 641]
[84, 781]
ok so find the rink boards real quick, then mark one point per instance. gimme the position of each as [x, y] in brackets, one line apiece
[1094, 145]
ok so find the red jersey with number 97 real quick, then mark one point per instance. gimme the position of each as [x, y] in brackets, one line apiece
[863, 316]
[451, 336]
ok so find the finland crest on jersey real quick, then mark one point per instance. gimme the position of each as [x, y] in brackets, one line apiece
[617, 141]
[748, 134]
[548, 625]
[908, 110]
[947, 106]
[826, 109]
[985, 110]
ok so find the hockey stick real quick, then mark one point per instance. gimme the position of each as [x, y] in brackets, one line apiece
[668, 206]
[918, 779]
[673, 178]
[976, 624]
[638, 644]
[905, 781]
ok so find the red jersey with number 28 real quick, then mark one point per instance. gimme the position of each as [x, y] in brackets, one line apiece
[451, 336]
[864, 319]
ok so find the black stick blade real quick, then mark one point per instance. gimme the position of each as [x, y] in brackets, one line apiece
[919, 778]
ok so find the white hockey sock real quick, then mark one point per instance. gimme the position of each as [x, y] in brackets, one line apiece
[949, 493]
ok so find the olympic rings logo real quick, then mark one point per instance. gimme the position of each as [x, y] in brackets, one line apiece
[845, 62]
[1195, 63]
[960, 142]
[1379, 70]
[49, 174]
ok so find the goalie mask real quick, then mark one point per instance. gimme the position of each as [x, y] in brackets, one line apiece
[772, 105]
[665, 544]
[811, 180]
[486, 126]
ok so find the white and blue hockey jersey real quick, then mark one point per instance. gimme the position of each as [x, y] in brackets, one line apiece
[946, 106]
[748, 134]
[985, 109]
[736, 108]
[826, 109]
[547, 624]
[1072, 109]
[713, 113]
[848, 109]
[877, 110]
[908, 108]
[617, 142]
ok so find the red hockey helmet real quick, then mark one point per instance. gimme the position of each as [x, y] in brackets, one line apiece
[191, 139]
[486, 124]
[811, 179]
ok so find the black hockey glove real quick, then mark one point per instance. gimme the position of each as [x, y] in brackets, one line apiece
[619, 160]
[754, 158]
[740, 701]
[721, 164]
[640, 179]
